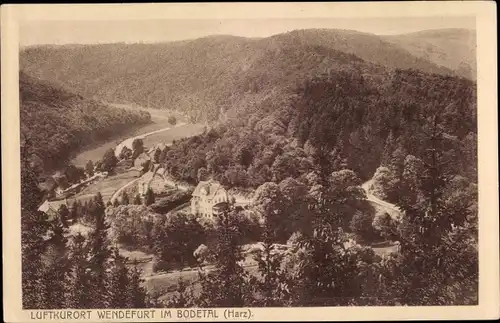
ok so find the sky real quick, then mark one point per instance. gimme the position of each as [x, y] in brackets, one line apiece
[131, 31]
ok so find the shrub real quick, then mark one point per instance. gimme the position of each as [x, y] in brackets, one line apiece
[172, 120]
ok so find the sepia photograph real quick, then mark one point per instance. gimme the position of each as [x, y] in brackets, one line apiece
[259, 162]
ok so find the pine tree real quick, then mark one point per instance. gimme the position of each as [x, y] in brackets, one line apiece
[89, 212]
[56, 268]
[34, 226]
[116, 203]
[119, 282]
[156, 156]
[64, 215]
[79, 286]
[99, 206]
[137, 293]
[89, 168]
[125, 199]
[137, 199]
[149, 198]
[99, 254]
[75, 209]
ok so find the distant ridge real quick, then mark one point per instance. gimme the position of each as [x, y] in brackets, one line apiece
[453, 48]
[217, 73]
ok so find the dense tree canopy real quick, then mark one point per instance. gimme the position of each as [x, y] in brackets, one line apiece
[59, 123]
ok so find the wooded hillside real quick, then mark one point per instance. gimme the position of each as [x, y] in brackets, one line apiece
[58, 123]
[357, 122]
[213, 74]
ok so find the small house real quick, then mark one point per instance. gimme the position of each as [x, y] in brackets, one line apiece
[51, 208]
[142, 160]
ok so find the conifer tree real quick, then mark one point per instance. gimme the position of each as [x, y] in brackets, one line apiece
[64, 215]
[56, 268]
[99, 206]
[79, 283]
[137, 293]
[89, 212]
[137, 199]
[125, 199]
[99, 253]
[156, 156]
[149, 198]
[119, 282]
[33, 228]
[75, 209]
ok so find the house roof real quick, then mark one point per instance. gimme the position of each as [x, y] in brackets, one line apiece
[52, 205]
[141, 159]
[211, 187]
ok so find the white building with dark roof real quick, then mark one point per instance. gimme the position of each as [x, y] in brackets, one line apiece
[207, 195]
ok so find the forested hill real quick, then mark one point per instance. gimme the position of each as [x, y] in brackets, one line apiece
[57, 123]
[336, 120]
[452, 48]
[215, 74]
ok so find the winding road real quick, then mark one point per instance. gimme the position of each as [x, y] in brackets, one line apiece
[390, 208]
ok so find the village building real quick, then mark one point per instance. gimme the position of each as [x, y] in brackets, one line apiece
[154, 180]
[51, 208]
[141, 160]
[209, 198]
[161, 146]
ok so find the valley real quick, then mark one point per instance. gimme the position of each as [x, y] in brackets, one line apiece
[315, 167]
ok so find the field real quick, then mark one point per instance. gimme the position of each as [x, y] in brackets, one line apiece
[108, 185]
[176, 133]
